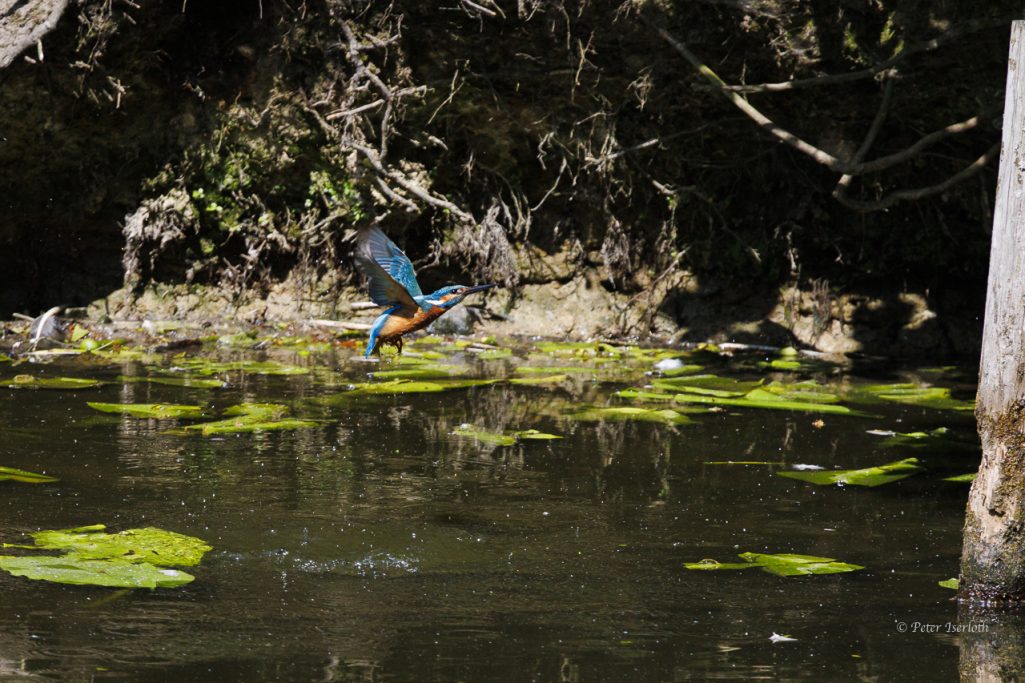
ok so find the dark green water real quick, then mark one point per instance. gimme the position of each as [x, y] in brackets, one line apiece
[382, 547]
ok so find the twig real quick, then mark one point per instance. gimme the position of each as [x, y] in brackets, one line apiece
[375, 162]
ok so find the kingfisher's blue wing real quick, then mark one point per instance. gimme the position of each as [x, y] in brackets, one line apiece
[389, 272]
[377, 245]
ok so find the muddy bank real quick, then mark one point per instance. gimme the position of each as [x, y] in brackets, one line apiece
[583, 306]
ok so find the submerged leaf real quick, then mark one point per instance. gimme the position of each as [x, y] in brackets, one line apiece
[153, 411]
[12, 474]
[784, 564]
[33, 382]
[869, 476]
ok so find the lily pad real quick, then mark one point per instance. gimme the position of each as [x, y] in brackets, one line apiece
[135, 558]
[189, 382]
[913, 394]
[33, 382]
[82, 572]
[781, 565]
[502, 439]
[953, 584]
[206, 366]
[252, 417]
[153, 411]
[869, 476]
[766, 400]
[666, 415]
[12, 474]
[539, 381]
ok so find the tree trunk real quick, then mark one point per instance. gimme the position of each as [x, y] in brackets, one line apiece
[993, 557]
[23, 22]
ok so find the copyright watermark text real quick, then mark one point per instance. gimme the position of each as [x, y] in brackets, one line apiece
[944, 627]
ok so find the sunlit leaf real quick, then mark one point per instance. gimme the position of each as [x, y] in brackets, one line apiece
[759, 398]
[149, 544]
[532, 381]
[252, 417]
[493, 438]
[429, 371]
[189, 382]
[494, 354]
[82, 572]
[4, 358]
[691, 383]
[631, 413]
[869, 476]
[913, 394]
[962, 478]
[153, 411]
[135, 558]
[33, 382]
[953, 584]
[781, 565]
[533, 434]
[552, 369]
[206, 366]
[12, 474]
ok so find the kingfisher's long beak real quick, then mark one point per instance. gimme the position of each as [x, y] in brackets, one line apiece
[479, 288]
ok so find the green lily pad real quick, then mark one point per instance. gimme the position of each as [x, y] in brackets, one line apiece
[781, 565]
[913, 394]
[766, 400]
[189, 382]
[149, 544]
[135, 558]
[551, 369]
[539, 381]
[82, 572]
[206, 366]
[153, 411]
[500, 439]
[666, 415]
[953, 584]
[869, 476]
[252, 417]
[495, 354]
[12, 474]
[962, 478]
[33, 382]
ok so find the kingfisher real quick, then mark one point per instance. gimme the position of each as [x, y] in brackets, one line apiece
[393, 285]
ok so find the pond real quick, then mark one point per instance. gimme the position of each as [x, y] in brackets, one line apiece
[402, 526]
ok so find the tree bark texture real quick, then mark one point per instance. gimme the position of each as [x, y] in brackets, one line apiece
[993, 556]
[23, 22]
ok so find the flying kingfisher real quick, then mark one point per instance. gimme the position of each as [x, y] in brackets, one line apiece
[393, 284]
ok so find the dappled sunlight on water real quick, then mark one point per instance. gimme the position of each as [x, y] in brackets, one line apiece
[377, 543]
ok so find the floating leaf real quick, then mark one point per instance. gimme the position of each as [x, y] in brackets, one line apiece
[4, 358]
[397, 386]
[537, 381]
[954, 583]
[632, 413]
[82, 572]
[535, 435]
[149, 544]
[421, 372]
[493, 438]
[962, 478]
[692, 383]
[759, 398]
[205, 366]
[495, 354]
[551, 369]
[869, 476]
[135, 558]
[153, 411]
[12, 474]
[781, 565]
[913, 394]
[252, 417]
[189, 382]
[33, 382]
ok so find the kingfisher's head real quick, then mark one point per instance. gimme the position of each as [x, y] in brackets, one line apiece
[450, 295]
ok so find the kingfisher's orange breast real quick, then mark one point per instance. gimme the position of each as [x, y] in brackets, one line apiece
[407, 320]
